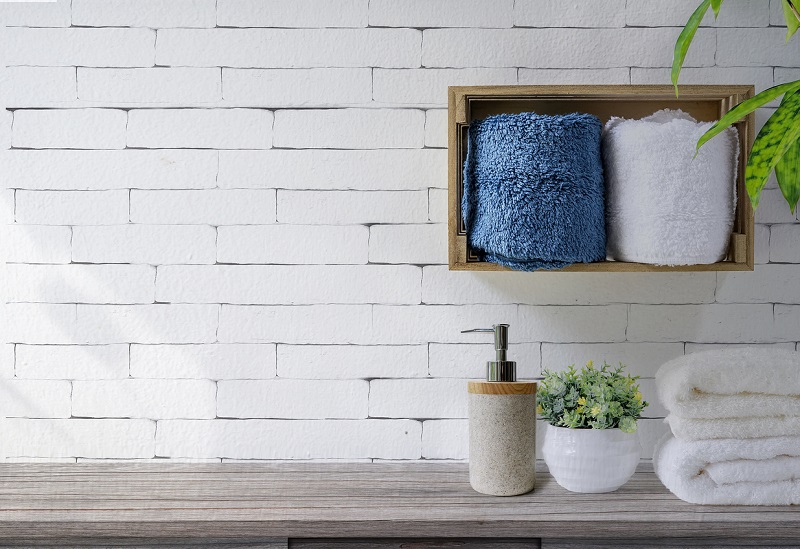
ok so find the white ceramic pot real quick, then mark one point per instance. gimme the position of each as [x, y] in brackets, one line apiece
[591, 460]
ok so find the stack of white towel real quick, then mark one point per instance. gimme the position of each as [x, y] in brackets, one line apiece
[735, 421]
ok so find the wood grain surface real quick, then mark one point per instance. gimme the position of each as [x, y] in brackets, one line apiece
[251, 502]
[501, 387]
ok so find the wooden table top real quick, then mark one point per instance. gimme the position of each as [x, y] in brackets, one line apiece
[260, 500]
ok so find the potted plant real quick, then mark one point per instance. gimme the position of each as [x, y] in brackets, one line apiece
[591, 444]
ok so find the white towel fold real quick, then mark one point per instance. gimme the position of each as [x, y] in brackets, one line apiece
[742, 382]
[663, 205]
[764, 471]
[735, 427]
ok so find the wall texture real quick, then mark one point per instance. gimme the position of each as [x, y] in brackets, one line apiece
[225, 222]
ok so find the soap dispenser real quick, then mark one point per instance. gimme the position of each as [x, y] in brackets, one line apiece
[502, 425]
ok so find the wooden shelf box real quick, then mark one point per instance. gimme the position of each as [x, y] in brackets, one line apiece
[705, 103]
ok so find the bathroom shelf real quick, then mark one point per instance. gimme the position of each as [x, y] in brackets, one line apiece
[705, 103]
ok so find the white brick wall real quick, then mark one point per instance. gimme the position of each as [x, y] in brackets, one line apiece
[226, 222]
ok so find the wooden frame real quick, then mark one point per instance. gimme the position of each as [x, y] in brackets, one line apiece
[705, 103]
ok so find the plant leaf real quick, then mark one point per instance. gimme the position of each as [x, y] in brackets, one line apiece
[685, 40]
[715, 5]
[787, 171]
[773, 141]
[792, 22]
[746, 107]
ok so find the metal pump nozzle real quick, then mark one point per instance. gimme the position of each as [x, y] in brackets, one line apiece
[500, 369]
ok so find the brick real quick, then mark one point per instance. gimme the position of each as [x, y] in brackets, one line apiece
[25, 86]
[278, 244]
[292, 13]
[784, 244]
[417, 244]
[439, 285]
[349, 129]
[574, 324]
[468, 360]
[179, 86]
[200, 128]
[716, 323]
[698, 347]
[545, 48]
[97, 170]
[330, 169]
[767, 284]
[72, 207]
[147, 323]
[756, 47]
[35, 14]
[442, 324]
[641, 359]
[651, 431]
[35, 399]
[445, 439]
[100, 438]
[143, 13]
[761, 244]
[761, 77]
[735, 13]
[786, 74]
[293, 399]
[79, 47]
[557, 13]
[206, 207]
[443, 13]
[72, 361]
[618, 75]
[153, 244]
[312, 324]
[776, 17]
[429, 86]
[7, 206]
[144, 398]
[773, 208]
[289, 48]
[41, 323]
[80, 283]
[437, 205]
[436, 128]
[787, 319]
[352, 362]
[288, 284]
[418, 398]
[297, 87]
[36, 244]
[216, 361]
[281, 439]
[70, 129]
[352, 207]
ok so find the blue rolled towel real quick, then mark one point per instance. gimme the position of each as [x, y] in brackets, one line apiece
[533, 190]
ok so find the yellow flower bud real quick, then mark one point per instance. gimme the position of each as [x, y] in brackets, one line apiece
[595, 410]
[582, 401]
[590, 364]
[638, 396]
[538, 408]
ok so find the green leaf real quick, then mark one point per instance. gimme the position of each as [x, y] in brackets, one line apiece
[773, 141]
[715, 5]
[787, 170]
[792, 22]
[685, 40]
[746, 107]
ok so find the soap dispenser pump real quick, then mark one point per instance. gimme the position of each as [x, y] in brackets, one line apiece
[502, 425]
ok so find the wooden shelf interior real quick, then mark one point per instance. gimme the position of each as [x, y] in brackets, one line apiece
[705, 103]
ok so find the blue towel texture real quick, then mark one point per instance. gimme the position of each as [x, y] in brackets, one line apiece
[533, 190]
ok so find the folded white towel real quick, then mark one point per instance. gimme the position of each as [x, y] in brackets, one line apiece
[663, 205]
[735, 427]
[732, 383]
[763, 471]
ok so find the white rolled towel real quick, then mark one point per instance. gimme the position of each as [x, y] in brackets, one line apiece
[733, 427]
[740, 382]
[762, 471]
[663, 205]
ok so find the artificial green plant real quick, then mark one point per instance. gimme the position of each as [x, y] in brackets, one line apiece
[591, 398]
[777, 146]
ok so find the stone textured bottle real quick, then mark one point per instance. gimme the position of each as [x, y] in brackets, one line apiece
[502, 426]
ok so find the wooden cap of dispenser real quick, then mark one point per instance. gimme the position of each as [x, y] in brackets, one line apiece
[501, 387]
